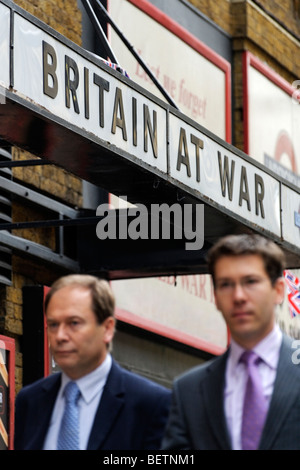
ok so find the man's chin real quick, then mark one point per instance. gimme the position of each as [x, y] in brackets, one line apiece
[243, 333]
[64, 361]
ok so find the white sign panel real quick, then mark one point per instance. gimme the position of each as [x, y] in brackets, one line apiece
[202, 164]
[291, 215]
[196, 79]
[4, 45]
[181, 309]
[73, 88]
[273, 118]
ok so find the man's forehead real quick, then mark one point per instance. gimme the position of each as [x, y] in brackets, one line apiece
[72, 290]
[246, 263]
[71, 295]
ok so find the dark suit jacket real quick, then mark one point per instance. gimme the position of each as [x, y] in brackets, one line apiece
[197, 418]
[132, 413]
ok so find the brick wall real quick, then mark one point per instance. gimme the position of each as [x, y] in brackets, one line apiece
[219, 12]
[62, 15]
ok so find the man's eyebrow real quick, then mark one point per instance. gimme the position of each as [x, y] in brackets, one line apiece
[228, 278]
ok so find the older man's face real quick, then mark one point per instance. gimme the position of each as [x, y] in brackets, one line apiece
[77, 341]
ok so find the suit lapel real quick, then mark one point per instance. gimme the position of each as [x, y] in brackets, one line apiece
[112, 401]
[287, 379]
[43, 406]
[213, 393]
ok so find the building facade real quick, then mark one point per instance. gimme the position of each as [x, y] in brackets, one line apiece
[251, 51]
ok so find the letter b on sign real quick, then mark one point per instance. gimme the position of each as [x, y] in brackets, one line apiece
[50, 84]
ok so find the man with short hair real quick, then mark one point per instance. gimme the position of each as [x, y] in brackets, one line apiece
[248, 398]
[94, 403]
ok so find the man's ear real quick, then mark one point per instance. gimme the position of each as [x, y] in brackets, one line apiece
[279, 287]
[109, 325]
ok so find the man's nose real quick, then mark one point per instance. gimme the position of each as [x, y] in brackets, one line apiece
[238, 291]
[61, 333]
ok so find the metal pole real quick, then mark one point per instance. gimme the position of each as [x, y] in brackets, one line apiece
[16, 163]
[99, 31]
[105, 14]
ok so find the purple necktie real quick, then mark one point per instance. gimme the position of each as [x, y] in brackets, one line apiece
[255, 404]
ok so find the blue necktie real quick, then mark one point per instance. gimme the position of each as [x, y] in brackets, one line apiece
[68, 437]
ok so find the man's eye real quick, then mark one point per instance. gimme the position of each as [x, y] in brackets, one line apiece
[251, 281]
[224, 285]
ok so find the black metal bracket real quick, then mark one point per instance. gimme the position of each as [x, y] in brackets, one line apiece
[99, 30]
[19, 163]
[94, 14]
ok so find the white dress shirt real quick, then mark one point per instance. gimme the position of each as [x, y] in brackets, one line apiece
[268, 349]
[91, 388]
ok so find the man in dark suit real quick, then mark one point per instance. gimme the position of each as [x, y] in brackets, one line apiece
[211, 403]
[115, 409]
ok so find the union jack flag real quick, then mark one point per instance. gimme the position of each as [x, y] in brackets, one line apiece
[115, 67]
[293, 292]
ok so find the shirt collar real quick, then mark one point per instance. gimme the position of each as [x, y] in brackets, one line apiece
[92, 383]
[267, 349]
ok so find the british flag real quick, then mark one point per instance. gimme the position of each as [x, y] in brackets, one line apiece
[293, 292]
[115, 67]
